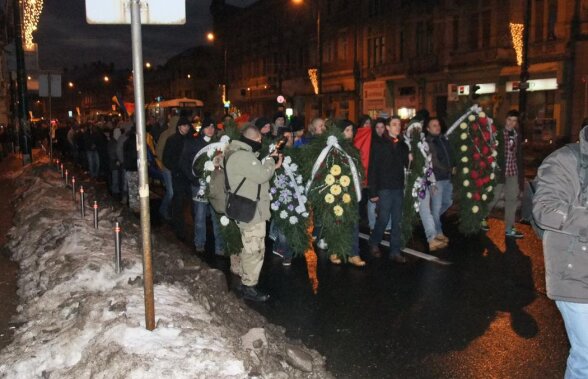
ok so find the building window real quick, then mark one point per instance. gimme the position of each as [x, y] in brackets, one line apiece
[376, 51]
[342, 48]
[473, 31]
[486, 28]
[552, 14]
[455, 32]
[375, 8]
[329, 51]
[539, 22]
[401, 47]
[424, 38]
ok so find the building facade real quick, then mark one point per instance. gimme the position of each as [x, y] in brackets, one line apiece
[383, 57]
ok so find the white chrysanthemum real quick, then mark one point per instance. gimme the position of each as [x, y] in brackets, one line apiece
[208, 179]
[210, 153]
[494, 153]
[283, 215]
[482, 115]
[475, 209]
[496, 142]
[274, 207]
[493, 165]
[466, 170]
[484, 197]
[469, 195]
[489, 189]
[466, 183]
[472, 118]
[492, 176]
[305, 214]
[465, 159]
[293, 220]
[464, 148]
[224, 220]
[208, 166]
[294, 166]
[463, 126]
[299, 179]
[287, 160]
[463, 136]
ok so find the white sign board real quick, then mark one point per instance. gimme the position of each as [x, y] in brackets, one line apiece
[154, 12]
[54, 90]
[534, 85]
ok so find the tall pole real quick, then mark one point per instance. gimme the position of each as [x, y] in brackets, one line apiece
[142, 167]
[21, 79]
[319, 48]
[225, 79]
[50, 117]
[524, 71]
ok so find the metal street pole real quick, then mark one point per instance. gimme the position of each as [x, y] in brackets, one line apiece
[21, 78]
[50, 116]
[142, 167]
[319, 46]
[524, 72]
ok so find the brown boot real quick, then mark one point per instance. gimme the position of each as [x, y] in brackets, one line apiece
[375, 251]
[443, 238]
[356, 261]
[334, 259]
[435, 245]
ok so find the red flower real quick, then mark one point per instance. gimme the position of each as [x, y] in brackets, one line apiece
[476, 196]
[483, 121]
[475, 175]
[475, 127]
[486, 179]
[476, 141]
[476, 156]
[490, 160]
[493, 128]
[479, 183]
[483, 165]
[485, 150]
[487, 135]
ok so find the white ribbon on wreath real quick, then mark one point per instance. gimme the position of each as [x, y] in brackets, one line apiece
[333, 143]
[221, 145]
[474, 109]
[289, 171]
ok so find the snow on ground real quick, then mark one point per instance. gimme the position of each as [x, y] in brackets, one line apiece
[81, 319]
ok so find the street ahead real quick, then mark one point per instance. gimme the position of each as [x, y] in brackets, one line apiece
[484, 316]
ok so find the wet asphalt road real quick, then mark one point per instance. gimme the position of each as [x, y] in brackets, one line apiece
[484, 316]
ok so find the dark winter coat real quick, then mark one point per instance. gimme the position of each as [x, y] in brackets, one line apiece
[191, 147]
[172, 154]
[441, 156]
[387, 163]
[130, 152]
[560, 207]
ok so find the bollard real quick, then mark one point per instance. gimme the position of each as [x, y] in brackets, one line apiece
[95, 206]
[61, 168]
[66, 177]
[57, 164]
[82, 209]
[73, 188]
[117, 255]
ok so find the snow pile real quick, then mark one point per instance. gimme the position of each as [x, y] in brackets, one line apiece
[81, 319]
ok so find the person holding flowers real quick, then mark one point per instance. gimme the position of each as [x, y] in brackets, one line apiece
[390, 157]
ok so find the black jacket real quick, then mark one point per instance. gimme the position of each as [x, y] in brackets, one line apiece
[387, 163]
[130, 153]
[191, 147]
[442, 157]
[172, 154]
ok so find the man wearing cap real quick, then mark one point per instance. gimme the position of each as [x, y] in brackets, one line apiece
[200, 205]
[172, 160]
[264, 126]
[279, 122]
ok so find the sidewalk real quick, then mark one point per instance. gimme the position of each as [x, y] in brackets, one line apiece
[8, 269]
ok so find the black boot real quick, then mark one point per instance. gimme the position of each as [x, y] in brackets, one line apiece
[252, 293]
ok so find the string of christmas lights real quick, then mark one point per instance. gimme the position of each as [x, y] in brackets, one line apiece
[313, 75]
[32, 11]
[516, 32]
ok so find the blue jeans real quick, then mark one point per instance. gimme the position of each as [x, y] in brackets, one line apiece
[164, 208]
[280, 241]
[371, 211]
[390, 210]
[355, 242]
[201, 210]
[93, 162]
[433, 206]
[575, 316]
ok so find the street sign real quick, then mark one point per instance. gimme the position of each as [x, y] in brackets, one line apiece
[153, 12]
[50, 89]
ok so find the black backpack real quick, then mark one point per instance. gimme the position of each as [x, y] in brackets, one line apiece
[582, 168]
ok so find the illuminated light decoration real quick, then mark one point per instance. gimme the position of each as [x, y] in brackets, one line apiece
[313, 76]
[32, 11]
[516, 32]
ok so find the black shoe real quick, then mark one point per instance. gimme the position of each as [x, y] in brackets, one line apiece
[200, 250]
[398, 258]
[252, 293]
[375, 251]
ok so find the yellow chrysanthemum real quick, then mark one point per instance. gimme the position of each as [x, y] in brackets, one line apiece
[346, 198]
[338, 210]
[336, 189]
[345, 181]
[329, 180]
[329, 199]
[336, 170]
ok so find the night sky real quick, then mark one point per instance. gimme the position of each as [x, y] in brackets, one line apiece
[65, 39]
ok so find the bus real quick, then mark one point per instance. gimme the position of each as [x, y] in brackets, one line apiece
[163, 110]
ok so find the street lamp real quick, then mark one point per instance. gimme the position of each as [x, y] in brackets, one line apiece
[210, 36]
[188, 76]
[147, 65]
[319, 52]
[70, 84]
[106, 79]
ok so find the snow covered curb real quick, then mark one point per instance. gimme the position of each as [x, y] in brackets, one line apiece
[80, 319]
